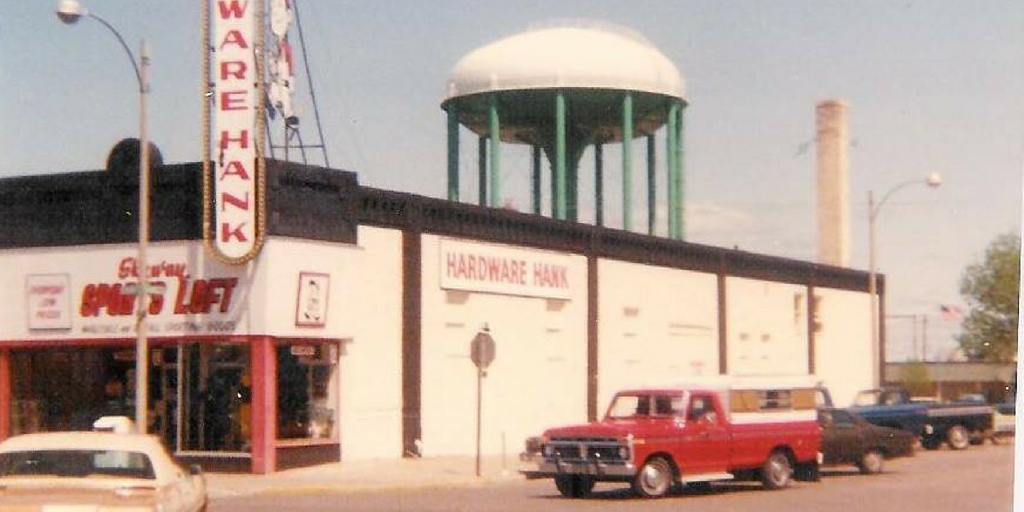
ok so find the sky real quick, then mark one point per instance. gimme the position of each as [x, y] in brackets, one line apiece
[932, 86]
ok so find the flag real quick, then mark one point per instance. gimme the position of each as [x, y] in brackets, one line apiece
[949, 313]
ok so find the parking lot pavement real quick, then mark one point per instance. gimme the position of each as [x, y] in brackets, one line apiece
[444, 472]
[368, 476]
[975, 480]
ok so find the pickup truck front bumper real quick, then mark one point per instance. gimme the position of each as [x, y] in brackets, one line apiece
[548, 468]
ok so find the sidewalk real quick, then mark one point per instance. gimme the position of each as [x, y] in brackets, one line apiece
[369, 475]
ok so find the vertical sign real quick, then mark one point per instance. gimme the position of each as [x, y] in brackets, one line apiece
[235, 232]
[282, 69]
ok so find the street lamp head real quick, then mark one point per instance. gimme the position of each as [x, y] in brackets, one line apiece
[69, 11]
[934, 180]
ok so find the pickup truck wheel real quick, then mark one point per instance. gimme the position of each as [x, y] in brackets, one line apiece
[776, 472]
[574, 486]
[957, 437]
[654, 479]
[870, 462]
[931, 443]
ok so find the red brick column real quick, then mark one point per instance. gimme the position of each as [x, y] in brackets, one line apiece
[264, 405]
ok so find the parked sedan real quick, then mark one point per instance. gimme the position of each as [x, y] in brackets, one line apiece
[95, 471]
[846, 438]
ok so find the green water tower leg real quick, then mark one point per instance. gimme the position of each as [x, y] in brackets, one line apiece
[560, 150]
[453, 152]
[495, 129]
[535, 180]
[481, 151]
[651, 185]
[672, 155]
[627, 162]
[572, 169]
[680, 180]
[671, 141]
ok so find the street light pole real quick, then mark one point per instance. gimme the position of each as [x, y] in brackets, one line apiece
[932, 180]
[142, 292]
[69, 12]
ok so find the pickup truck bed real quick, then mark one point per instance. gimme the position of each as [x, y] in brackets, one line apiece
[957, 424]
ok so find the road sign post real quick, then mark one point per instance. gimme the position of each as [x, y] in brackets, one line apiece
[481, 352]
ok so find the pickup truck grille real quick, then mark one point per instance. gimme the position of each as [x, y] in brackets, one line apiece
[586, 449]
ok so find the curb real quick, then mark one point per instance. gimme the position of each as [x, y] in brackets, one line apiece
[375, 487]
[218, 492]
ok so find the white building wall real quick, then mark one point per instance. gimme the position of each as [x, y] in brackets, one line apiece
[277, 274]
[371, 364]
[842, 346]
[656, 326]
[539, 375]
[766, 327]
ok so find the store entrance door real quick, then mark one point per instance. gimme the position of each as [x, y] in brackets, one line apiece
[212, 381]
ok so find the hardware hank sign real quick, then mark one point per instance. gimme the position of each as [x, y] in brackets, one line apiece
[235, 131]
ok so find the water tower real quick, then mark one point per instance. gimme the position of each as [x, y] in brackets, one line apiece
[561, 88]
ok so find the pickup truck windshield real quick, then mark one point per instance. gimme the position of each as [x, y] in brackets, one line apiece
[865, 398]
[880, 397]
[632, 406]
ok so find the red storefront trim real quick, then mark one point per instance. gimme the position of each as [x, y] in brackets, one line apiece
[111, 342]
[264, 405]
[5, 394]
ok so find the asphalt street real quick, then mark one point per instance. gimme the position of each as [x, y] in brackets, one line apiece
[976, 480]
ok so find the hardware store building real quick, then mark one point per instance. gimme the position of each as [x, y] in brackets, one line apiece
[348, 336]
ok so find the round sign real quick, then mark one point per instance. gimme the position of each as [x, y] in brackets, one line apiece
[481, 349]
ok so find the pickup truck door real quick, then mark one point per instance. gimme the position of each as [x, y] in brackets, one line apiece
[705, 444]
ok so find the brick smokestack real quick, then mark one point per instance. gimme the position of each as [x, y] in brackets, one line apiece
[833, 183]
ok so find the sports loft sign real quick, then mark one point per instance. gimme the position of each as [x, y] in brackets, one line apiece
[234, 192]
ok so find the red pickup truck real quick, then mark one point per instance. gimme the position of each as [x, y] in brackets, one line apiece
[658, 438]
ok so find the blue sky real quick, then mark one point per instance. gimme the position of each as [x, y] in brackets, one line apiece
[933, 86]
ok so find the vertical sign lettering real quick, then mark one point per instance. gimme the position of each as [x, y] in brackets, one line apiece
[235, 231]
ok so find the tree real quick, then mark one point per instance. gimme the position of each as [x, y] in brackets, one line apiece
[991, 288]
[917, 379]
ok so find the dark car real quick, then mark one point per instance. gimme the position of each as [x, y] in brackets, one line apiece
[846, 438]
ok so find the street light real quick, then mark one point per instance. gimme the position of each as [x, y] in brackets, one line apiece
[69, 12]
[932, 180]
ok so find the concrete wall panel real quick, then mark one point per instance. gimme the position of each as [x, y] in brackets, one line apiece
[656, 326]
[842, 354]
[538, 378]
[767, 328]
[371, 364]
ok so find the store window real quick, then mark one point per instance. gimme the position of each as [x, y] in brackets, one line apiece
[94, 382]
[307, 391]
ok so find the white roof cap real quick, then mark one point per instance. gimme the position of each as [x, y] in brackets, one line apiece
[116, 424]
[566, 57]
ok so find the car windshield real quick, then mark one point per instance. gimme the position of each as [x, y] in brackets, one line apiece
[76, 464]
[631, 406]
